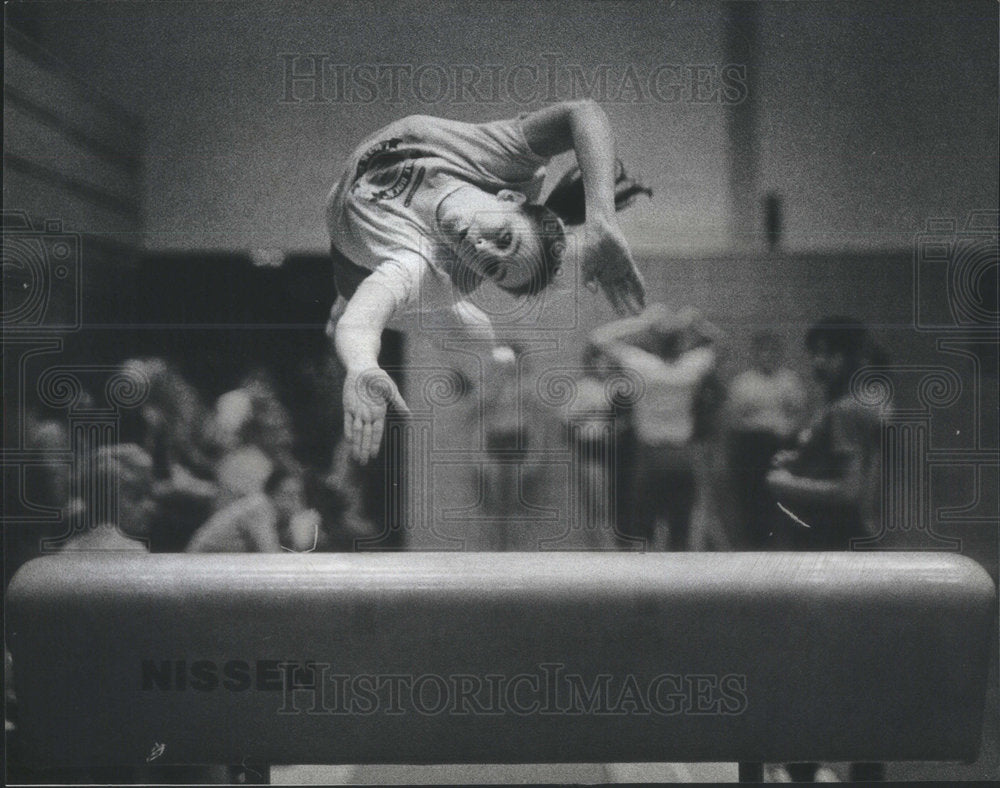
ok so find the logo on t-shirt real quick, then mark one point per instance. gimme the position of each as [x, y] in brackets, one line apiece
[385, 146]
[384, 173]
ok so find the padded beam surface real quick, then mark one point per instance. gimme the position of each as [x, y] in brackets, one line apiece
[516, 658]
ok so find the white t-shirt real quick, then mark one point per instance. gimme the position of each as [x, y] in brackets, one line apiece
[769, 403]
[664, 413]
[381, 214]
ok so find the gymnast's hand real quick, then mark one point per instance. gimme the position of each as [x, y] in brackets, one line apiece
[367, 394]
[608, 262]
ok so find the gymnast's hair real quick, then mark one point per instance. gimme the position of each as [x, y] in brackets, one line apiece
[551, 233]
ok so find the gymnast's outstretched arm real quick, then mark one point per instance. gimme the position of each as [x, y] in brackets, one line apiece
[368, 389]
[606, 260]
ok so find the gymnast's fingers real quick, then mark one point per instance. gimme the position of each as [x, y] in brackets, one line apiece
[366, 441]
[378, 427]
[356, 429]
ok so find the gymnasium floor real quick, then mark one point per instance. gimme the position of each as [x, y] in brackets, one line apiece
[579, 773]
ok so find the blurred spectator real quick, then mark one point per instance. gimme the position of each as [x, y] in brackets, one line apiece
[269, 425]
[338, 498]
[598, 427]
[505, 431]
[52, 439]
[252, 434]
[173, 422]
[129, 468]
[173, 419]
[766, 408]
[831, 482]
[262, 522]
[242, 471]
[298, 525]
[183, 501]
[672, 353]
[46, 491]
[232, 411]
[829, 486]
[711, 516]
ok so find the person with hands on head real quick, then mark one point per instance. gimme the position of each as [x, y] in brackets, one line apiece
[429, 209]
[672, 355]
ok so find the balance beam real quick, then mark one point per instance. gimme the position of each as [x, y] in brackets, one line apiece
[499, 658]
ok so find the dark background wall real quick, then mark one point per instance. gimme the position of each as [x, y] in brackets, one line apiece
[869, 118]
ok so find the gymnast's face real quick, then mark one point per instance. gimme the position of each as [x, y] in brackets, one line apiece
[496, 238]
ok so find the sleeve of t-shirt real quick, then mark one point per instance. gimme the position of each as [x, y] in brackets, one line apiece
[401, 277]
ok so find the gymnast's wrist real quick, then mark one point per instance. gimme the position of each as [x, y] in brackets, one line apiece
[358, 367]
[355, 352]
[600, 216]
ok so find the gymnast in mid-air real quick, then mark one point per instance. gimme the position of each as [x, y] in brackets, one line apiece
[428, 209]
